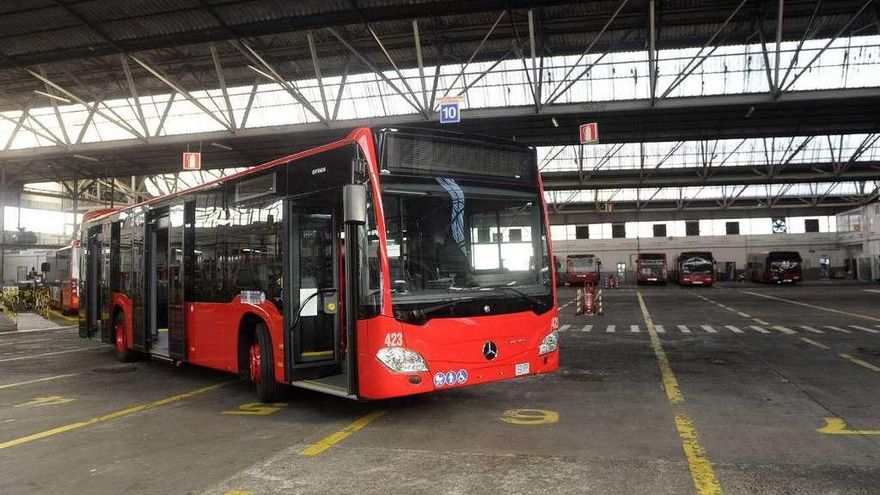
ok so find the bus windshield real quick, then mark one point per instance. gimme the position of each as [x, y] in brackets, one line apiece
[697, 265]
[453, 240]
[581, 264]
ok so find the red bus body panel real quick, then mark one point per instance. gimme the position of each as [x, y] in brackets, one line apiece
[454, 344]
[696, 278]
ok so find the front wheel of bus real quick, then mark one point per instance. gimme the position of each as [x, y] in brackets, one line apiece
[261, 366]
[120, 339]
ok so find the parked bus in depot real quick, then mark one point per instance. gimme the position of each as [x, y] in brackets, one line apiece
[581, 269]
[775, 267]
[388, 263]
[651, 268]
[61, 271]
[695, 268]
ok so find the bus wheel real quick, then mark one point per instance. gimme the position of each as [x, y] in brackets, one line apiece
[261, 366]
[123, 353]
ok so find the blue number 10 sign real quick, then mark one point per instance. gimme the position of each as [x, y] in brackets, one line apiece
[449, 113]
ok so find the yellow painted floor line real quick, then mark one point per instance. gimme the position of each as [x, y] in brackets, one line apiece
[63, 316]
[338, 436]
[109, 417]
[823, 308]
[861, 363]
[37, 380]
[702, 473]
[32, 356]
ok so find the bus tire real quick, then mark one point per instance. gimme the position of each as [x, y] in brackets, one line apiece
[261, 366]
[120, 339]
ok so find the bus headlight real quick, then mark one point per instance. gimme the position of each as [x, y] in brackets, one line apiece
[402, 360]
[549, 344]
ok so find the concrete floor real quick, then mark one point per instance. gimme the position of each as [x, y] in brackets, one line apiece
[755, 399]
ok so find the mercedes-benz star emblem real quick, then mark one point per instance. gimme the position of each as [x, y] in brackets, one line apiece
[490, 350]
[487, 309]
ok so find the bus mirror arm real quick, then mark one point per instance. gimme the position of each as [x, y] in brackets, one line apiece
[354, 204]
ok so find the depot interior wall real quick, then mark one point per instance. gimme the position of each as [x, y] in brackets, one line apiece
[726, 248]
[13, 262]
[860, 235]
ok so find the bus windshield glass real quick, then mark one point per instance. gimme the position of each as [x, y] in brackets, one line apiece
[451, 240]
[581, 264]
[697, 265]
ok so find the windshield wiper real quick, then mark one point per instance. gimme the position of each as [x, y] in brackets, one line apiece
[534, 300]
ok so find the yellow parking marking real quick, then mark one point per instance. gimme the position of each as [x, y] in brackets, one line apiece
[111, 416]
[861, 363]
[257, 409]
[58, 314]
[32, 356]
[46, 329]
[823, 308]
[52, 400]
[837, 426]
[702, 473]
[338, 436]
[760, 321]
[37, 380]
[530, 417]
[813, 342]
[238, 492]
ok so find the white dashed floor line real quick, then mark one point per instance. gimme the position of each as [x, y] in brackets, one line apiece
[610, 329]
[733, 329]
[684, 329]
[709, 329]
[759, 329]
[866, 329]
[634, 329]
[837, 329]
[811, 329]
[784, 330]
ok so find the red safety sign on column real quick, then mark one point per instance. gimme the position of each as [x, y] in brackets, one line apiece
[589, 133]
[192, 160]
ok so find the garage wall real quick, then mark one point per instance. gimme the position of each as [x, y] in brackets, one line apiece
[733, 248]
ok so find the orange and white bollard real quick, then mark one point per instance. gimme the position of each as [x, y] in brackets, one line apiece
[600, 303]
[578, 303]
[590, 301]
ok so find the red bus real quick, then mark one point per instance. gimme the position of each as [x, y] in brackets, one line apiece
[695, 268]
[61, 273]
[391, 262]
[778, 267]
[581, 269]
[651, 267]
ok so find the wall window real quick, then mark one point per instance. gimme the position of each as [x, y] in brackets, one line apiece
[692, 228]
[811, 225]
[732, 228]
[659, 230]
[618, 230]
[582, 232]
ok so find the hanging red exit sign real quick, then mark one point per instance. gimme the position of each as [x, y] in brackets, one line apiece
[589, 133]
[192, 160]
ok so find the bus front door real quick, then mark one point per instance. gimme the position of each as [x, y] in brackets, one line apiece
[312, 297]
[92, 292]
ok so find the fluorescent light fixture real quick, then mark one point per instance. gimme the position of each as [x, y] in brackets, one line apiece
[50, 95]
[555, 122]
[86, 158]
[258, 71]
[222, 146]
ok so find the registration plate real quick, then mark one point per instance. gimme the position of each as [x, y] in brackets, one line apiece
[652, 279]
[698, 283]
[522, 369]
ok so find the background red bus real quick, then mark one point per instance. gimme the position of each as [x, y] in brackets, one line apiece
[695, 268]
[61, 274]
[775, 267]
[651, 268]
[441, 280]
[581, 269]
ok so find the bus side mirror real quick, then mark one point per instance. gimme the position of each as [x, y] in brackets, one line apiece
[354, 203]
